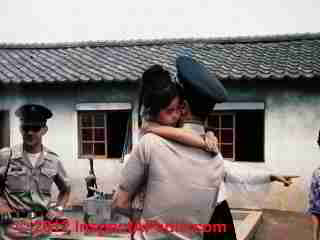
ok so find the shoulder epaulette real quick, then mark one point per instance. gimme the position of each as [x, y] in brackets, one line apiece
[5, 153]
[50, 152]
[53, 153]
[4, 150]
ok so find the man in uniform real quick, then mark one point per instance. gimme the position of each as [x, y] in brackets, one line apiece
[183, 182]
[27, 172]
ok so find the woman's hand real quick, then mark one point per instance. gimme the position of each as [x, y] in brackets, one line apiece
[211, 142]
[286, 180]
[150, 127]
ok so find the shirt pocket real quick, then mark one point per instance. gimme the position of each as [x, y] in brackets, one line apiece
[46, 179]
[17, 179]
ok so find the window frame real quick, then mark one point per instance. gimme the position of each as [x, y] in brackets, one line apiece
[80, 140]
[237, 107]
[221, 113]
[100, 108]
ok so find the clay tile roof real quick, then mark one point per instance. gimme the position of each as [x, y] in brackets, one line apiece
[273, 57]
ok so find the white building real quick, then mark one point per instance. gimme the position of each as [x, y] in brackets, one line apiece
[270, 122]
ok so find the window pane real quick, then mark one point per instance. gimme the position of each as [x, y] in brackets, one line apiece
[87, 148]
[87, 134]
[227, 151]
[99, 149]
[4, 129]
[99, 120]
[213, 121]
[86, 120]
[99, 134]
[103, 133]
[116, 130]
[217, 133]
[227, 121]
[249, 129]
[227, 136]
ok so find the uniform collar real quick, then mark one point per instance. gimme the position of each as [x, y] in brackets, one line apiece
[17, 152]
[43, 157]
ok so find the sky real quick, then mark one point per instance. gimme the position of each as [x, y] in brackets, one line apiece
[43, 21]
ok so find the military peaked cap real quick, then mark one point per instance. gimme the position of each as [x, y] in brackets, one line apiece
[33, 114]
[200, 86]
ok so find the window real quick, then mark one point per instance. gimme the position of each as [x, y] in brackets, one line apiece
[4, 129]
[240, 134]
[104, 134]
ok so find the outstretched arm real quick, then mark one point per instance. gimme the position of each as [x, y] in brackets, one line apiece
[244, 174]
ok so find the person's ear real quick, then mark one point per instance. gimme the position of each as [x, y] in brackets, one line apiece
[44, 130]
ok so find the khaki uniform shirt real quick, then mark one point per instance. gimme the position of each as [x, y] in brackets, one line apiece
[182, 183]
[28, 186]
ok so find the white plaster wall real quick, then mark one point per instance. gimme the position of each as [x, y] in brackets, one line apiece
[292, 125]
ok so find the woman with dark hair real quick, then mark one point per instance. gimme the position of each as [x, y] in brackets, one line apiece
[157, 92]
[161, 109]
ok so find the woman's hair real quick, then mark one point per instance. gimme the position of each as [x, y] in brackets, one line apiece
[157, 90]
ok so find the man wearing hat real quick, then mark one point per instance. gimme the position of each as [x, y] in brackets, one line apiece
[27, 172]
[182, 182]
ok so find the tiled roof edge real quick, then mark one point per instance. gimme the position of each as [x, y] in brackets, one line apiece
[139, 42]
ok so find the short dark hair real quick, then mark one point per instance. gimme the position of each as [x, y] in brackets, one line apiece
[157, 90]
[200, 110]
